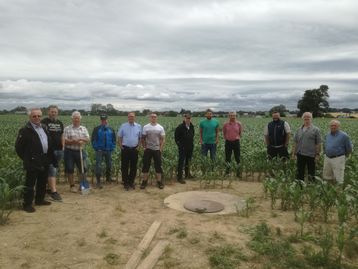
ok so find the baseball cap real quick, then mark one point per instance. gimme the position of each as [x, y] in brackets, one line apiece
[103, 117]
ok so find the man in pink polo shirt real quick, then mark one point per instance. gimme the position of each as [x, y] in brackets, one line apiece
[232, 133]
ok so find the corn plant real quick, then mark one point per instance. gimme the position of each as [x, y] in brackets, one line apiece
[302, 217]
[272, 185]
[340, 240]
[327, 198]
[8, 199]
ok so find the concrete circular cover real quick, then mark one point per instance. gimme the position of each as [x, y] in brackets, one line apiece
[220, 203]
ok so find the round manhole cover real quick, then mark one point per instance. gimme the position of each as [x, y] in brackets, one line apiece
[203, 206]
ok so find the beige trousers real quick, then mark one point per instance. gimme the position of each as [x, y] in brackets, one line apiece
[333, 169]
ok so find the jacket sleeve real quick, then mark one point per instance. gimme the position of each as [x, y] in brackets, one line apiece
[94, 137]
[177, 135]
[20, 144]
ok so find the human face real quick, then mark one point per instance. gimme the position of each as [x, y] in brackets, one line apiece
[334, 127]
[76, 120]
[187, 120]
[307, 120]
[209, 115]
[275, 116]
[53, 113]
[153, 118]
[35, 117]
[104, 122]
[232, 116]
[131, 117]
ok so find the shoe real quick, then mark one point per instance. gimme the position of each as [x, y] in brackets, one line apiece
[43, 203]
[29, 208]
[181, 181]
[73, 189]
[126, 187]
[99, 186]
[132, 186]
[160, 185]
[144, 184]
[56, 196]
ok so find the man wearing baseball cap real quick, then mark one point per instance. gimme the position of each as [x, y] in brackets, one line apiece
[103, 142]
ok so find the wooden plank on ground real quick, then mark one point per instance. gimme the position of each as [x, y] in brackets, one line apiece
[151, 260]
[143, 245]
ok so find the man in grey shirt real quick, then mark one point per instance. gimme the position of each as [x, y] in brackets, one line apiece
[307, 147]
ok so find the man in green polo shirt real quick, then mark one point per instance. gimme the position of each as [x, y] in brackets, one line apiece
[209, 135]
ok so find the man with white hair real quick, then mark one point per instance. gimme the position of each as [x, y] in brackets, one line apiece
[35, 148]
[338, 146]
[75, 136]
[307, 147]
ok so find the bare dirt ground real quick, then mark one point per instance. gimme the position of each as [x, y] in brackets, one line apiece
[102, 230]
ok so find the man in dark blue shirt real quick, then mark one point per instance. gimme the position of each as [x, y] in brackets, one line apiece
[338, 146]
[103, 142]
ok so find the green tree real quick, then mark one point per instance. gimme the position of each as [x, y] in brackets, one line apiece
[281, 109]
[314, 101]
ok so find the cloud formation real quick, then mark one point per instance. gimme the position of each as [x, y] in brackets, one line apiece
[167, 54]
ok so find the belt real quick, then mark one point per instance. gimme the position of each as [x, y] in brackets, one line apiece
[129, 147]
[335, 156]
[277, 147]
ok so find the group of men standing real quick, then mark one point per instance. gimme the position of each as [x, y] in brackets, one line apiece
[41, 144]
[307, 147]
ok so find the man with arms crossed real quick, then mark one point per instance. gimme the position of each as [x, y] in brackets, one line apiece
[55, 128]
[76, 136]
[338, 146]
[153, 137]
[129, 136]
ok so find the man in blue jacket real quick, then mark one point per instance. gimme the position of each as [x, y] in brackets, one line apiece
[103, 141]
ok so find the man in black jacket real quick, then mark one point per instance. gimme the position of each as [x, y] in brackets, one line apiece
[184, 138]
[34, 147]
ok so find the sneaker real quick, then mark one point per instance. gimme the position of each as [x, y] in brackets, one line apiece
[43, 203]
[29, 208]
[56, 196]
[144, 184]
[160, 185]
[181, 181]
[73, 189]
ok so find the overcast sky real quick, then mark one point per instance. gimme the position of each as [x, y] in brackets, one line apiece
[241, 54]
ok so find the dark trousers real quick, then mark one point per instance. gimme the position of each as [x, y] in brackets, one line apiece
[232, 147]
[107, 156]
[185, 155]
[129, 160]
[38, 178]
[147, 159]
[302, 162]
[280, 152]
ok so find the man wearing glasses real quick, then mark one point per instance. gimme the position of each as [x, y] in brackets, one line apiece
[34, 147]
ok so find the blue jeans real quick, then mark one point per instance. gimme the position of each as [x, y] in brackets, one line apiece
[107, 155]
[72, 158]
[209, 147]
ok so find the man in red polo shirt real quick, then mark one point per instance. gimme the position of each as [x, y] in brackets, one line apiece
[232, 133]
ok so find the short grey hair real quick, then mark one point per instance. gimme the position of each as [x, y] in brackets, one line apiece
[335, 122]
[76, 113]
[307, 114]
[29, 111]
